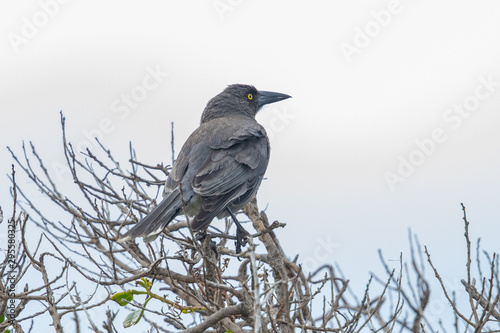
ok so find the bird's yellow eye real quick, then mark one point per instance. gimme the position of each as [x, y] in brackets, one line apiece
[250, 96]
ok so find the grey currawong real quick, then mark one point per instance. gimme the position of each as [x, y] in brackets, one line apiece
[220, 166]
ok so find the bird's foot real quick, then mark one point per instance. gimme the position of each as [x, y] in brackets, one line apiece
[241, 233]
[241, 238]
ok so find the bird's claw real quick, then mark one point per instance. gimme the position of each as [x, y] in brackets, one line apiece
[241, 239]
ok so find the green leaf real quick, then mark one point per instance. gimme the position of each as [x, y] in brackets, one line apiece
[123, 298]
[2, 318]
[132, 318]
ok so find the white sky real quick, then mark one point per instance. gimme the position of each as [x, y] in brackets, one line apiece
[351, 119]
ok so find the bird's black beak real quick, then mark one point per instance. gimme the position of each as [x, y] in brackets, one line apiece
[268, 97]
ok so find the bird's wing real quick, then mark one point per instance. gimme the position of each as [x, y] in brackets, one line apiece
[233, 169]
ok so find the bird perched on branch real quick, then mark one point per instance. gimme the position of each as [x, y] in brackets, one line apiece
[220, 166]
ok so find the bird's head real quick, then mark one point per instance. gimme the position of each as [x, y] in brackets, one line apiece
[240, 99]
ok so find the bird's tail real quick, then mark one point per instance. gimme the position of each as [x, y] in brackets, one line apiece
[154, 223]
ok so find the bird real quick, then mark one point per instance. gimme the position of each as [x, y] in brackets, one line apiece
[219, 168]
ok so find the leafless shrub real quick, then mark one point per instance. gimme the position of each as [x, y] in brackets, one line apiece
[77, 269]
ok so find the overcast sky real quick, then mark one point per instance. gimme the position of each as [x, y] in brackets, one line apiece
[393, 121]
